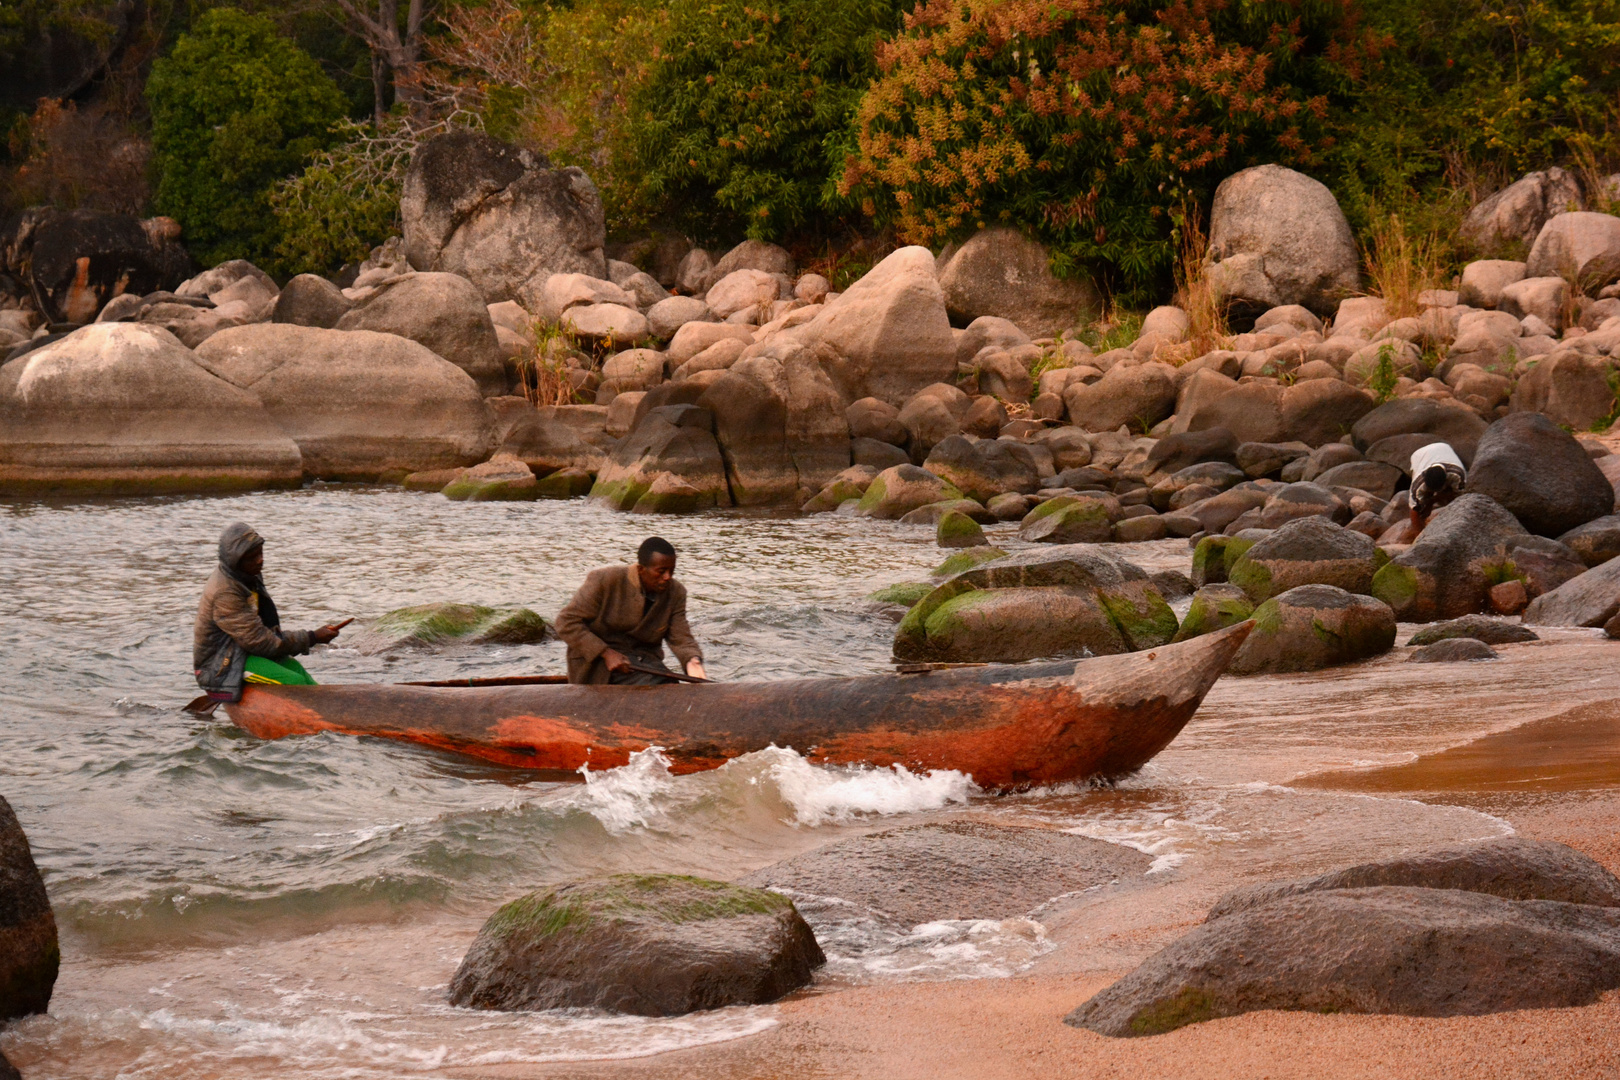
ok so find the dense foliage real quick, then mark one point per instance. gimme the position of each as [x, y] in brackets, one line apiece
[740, 126]
[235, 107]
[1091, 122]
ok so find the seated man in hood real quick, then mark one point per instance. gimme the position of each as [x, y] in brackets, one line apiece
[238, 636]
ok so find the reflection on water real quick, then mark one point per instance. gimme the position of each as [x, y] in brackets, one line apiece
[246, 908]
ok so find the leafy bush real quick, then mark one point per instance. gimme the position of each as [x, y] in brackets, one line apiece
[346, 201]
[738, 128]
[1089, 122]
[235, 107]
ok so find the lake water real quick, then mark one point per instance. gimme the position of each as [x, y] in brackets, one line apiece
[232, 907]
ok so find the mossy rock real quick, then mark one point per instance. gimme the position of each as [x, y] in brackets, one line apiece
[906, 593]
[429, 625]
[1009, 625]
[833, 496]
[501, 479]
[957, 530]
[1209, 561]
[1082, 521]
[619, 494]
[965, 560]
[570, 483]
[431, 480]
[1141, 615]
[1214, 607]
[1314, 627]
[644, 944]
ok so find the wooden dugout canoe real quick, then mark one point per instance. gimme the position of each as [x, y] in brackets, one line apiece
[1008, 726]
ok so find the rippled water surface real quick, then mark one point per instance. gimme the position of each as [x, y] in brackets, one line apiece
[246, 908]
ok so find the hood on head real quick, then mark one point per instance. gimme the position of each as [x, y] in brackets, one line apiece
[236, 541]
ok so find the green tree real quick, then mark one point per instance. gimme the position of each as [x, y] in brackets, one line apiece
[235, 107]
[739, 127]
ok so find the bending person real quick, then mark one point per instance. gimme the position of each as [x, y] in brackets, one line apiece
[238, 637]
[1438, 477]
[622, 615]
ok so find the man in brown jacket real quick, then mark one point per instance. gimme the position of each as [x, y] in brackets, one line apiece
[621, 617]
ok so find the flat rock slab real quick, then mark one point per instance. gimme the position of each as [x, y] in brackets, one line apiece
[956, 870]
[1405, 951]
[1479, 627]
[1452, 650]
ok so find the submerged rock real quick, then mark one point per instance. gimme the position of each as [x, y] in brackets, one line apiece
[428, 625]
[1452, 650]
[1215, 607]
[1313, 627]
[956, 870]
[29, 955]
[501, 479]
[1306, 551]
[957, 530]
[648, 945]
[1479, 627]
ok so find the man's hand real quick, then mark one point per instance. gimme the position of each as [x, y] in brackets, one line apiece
[616, 660]
[694, 668]
[325, 635]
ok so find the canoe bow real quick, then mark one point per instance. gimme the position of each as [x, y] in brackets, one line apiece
[1008, 726]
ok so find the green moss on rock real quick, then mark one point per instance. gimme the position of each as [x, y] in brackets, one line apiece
[1395, 585]
[435, 624]
[669, 898]
[966, 560]
[907, 593]
[957, 530]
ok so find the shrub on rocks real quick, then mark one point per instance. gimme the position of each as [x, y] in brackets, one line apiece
[1306, 551]
[648, 945]
[29, 954]
[1311, 627]
[360, 404]
[498, 216]
[1541, 474]
[1001, 272]
[445, 313]
[1060, 603]
[120, 408]
[501, 479]
[1464, 550]
[434, 625]
[1479, 627]
[897, 491]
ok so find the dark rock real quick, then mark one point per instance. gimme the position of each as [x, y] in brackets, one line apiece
[873, 418]
[1397, 450]
[1252, 411]
[1453, 423]
[1448, 572]
[1138, 397]
[1313, 627]
[1509, 867]
[1452, 650]
[74, 261]
[750, 424]
[1141, 528]
[1174, 452]
[434, 625]
[569, 483]
[1373, 477]
[1214, 607]
[1319, 411]
[311, 300]
[1541, 473]
[1172, 584]
[552, 438]
[1056, 602]
[1406, 951]
[8, 1071]
[29, 956]
[499, 216]
[984, 469]
[1072, 519]
[648, 945]
[674, 441]
[1326, 457]
[1543, 571]
[897, 491]
[1290, 502]
[1479, 627]
[956, 870]
[879, 455]
[1258, 459]
[1591, 599]
[1219, 511]
[1172, 492]
[1597, 541]
[1306, 551]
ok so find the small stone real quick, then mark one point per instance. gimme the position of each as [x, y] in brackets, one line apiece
[501, 479]
[569, 483]
[1509, 598]
[1480, 627]
[1452, 650]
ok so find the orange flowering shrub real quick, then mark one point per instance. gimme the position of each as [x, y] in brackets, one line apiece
[1087, 122]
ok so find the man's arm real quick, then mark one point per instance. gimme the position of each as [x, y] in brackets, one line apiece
[574, 619]
[681, 640]
[238, 618]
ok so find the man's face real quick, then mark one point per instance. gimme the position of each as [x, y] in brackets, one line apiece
[253, 562]
[656, 576]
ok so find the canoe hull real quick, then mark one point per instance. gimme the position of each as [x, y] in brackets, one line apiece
[1009, 726]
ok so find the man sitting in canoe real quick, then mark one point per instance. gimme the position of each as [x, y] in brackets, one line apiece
[238, 637]
[620, 618]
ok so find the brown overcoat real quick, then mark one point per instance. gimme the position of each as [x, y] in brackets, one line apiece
[610, 612]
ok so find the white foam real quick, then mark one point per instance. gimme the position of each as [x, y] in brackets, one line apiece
[628, 797]
[821, 795]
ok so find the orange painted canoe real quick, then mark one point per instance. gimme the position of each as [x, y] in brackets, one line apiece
[1009, 726]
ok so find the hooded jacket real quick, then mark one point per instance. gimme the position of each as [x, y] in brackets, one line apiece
[237, 619]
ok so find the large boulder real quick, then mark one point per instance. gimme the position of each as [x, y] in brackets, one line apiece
[1580, 247]
[360, 405]
[1388, 949]
[1252, 412]
[124, 408]
[1596, 542]
[751, 255]
[897, 491]
[644, 944]
[552, 438]
[1311, 627]
[889, 331]
[1278, 237]
[1465, 549]
[1570, 388]
[815, 429]
[1515, 215]
[1484, 280]
[74, 261]
[1321, 411]
[984, 469]
[1306, 551]
[1591, 599]
[750, 424]
[1087, 518]
[1060, 602]
[1541, 473]
[498, 215]
[1447, 422]
[1001, 272]
[1137, 397]
[670, 463]
[443, 312]
[29, 955]
[311, 300]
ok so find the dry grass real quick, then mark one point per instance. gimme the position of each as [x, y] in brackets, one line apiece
[1401, 266]
[1195, 294]
[547, 376]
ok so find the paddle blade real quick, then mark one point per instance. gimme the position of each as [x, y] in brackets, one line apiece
[202, 706]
